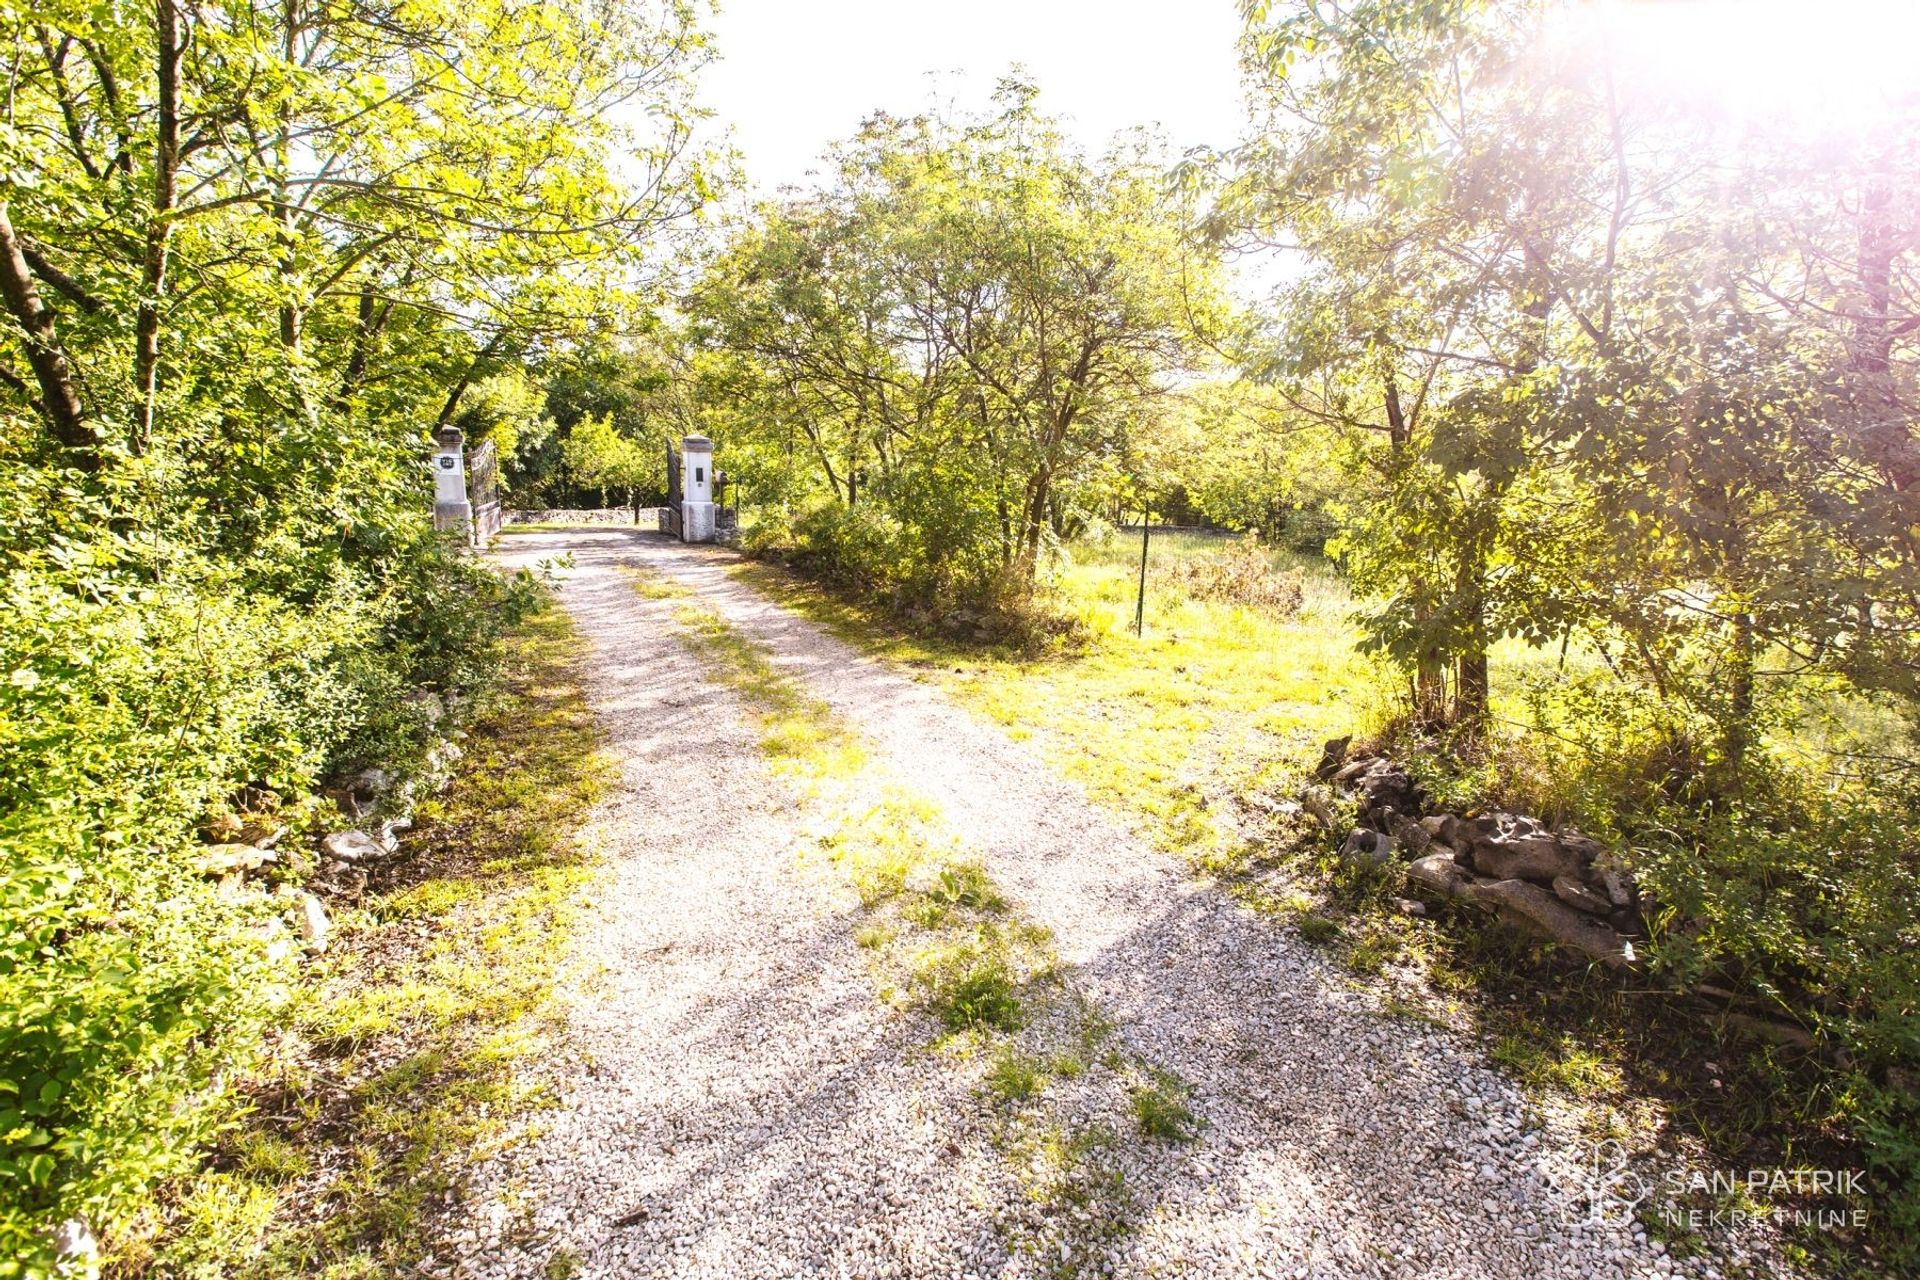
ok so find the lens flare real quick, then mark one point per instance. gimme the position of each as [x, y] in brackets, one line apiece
[1830, 64]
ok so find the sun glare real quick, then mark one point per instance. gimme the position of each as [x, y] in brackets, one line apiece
[1826, 64]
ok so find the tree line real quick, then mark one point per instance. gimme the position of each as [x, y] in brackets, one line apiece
[251, 255]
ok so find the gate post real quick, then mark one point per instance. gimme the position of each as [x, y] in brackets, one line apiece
[451, 510]
[696, 486]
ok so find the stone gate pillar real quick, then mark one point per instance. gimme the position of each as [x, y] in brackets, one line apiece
[451, 510]
[696, 488]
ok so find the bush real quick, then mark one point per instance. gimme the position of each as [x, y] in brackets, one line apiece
[926, 574]
[1241, 574]
[132, 988]
[1787, 883]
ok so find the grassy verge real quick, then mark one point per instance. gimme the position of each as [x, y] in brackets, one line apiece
[402, 1060]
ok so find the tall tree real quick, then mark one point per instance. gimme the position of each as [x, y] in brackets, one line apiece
[966, 324]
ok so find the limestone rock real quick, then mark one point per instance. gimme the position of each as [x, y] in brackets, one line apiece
[1531, 905]
[1316, 802]
[225, 859]
[1332, 755]
[314, 925]
[1383, 790]
[1541, 859]
[427, 705]
[1367, 848]
[1578, 896]
[354, 847]
[390, 830]
[1438, 873]
[1612, 878]
[361, 793]
[1411, 835]
[1497, 825]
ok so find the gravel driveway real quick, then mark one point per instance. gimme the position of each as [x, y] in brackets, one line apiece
[733, 1099]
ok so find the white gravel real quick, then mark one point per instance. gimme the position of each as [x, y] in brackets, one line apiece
[735, 1101]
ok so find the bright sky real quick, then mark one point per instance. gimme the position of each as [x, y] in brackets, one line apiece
[1824, 61]
[795, 75]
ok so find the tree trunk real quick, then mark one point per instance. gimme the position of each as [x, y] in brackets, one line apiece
[153, 279]
[1472, 685]
[1430, 666]
[59, 401]
[292, 315]
[1034, 522]
[452, 403]
[1738, 735]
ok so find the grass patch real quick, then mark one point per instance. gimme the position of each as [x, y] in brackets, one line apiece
[654, 586]
[1318, 928]
[971, 983]
[1014, 1076]
[1160, 1108]
[798, 732]
[402, 1060]
[1556, 1060]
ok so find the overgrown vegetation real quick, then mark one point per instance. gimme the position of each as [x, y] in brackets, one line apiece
[402, 1058]
[134, 985]
[251, 255]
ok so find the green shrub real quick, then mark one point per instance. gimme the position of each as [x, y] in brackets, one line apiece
[932, 563]
[1778, 877]
[132, 708]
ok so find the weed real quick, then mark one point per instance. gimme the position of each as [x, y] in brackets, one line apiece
[1377, 946]
[1014, 1077]
[1160, 1108]
[1318, 928]
[970, 984]
[874, 935]
[966, 885]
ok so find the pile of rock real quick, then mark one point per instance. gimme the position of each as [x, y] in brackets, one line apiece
[1559, 884]
[246, 852]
